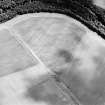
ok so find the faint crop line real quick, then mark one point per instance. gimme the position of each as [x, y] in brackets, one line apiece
[27, 47]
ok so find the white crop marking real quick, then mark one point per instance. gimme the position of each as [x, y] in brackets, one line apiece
[22, 42]
[85, 55]
[90, 40]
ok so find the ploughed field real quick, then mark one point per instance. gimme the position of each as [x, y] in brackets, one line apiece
[50, 60]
